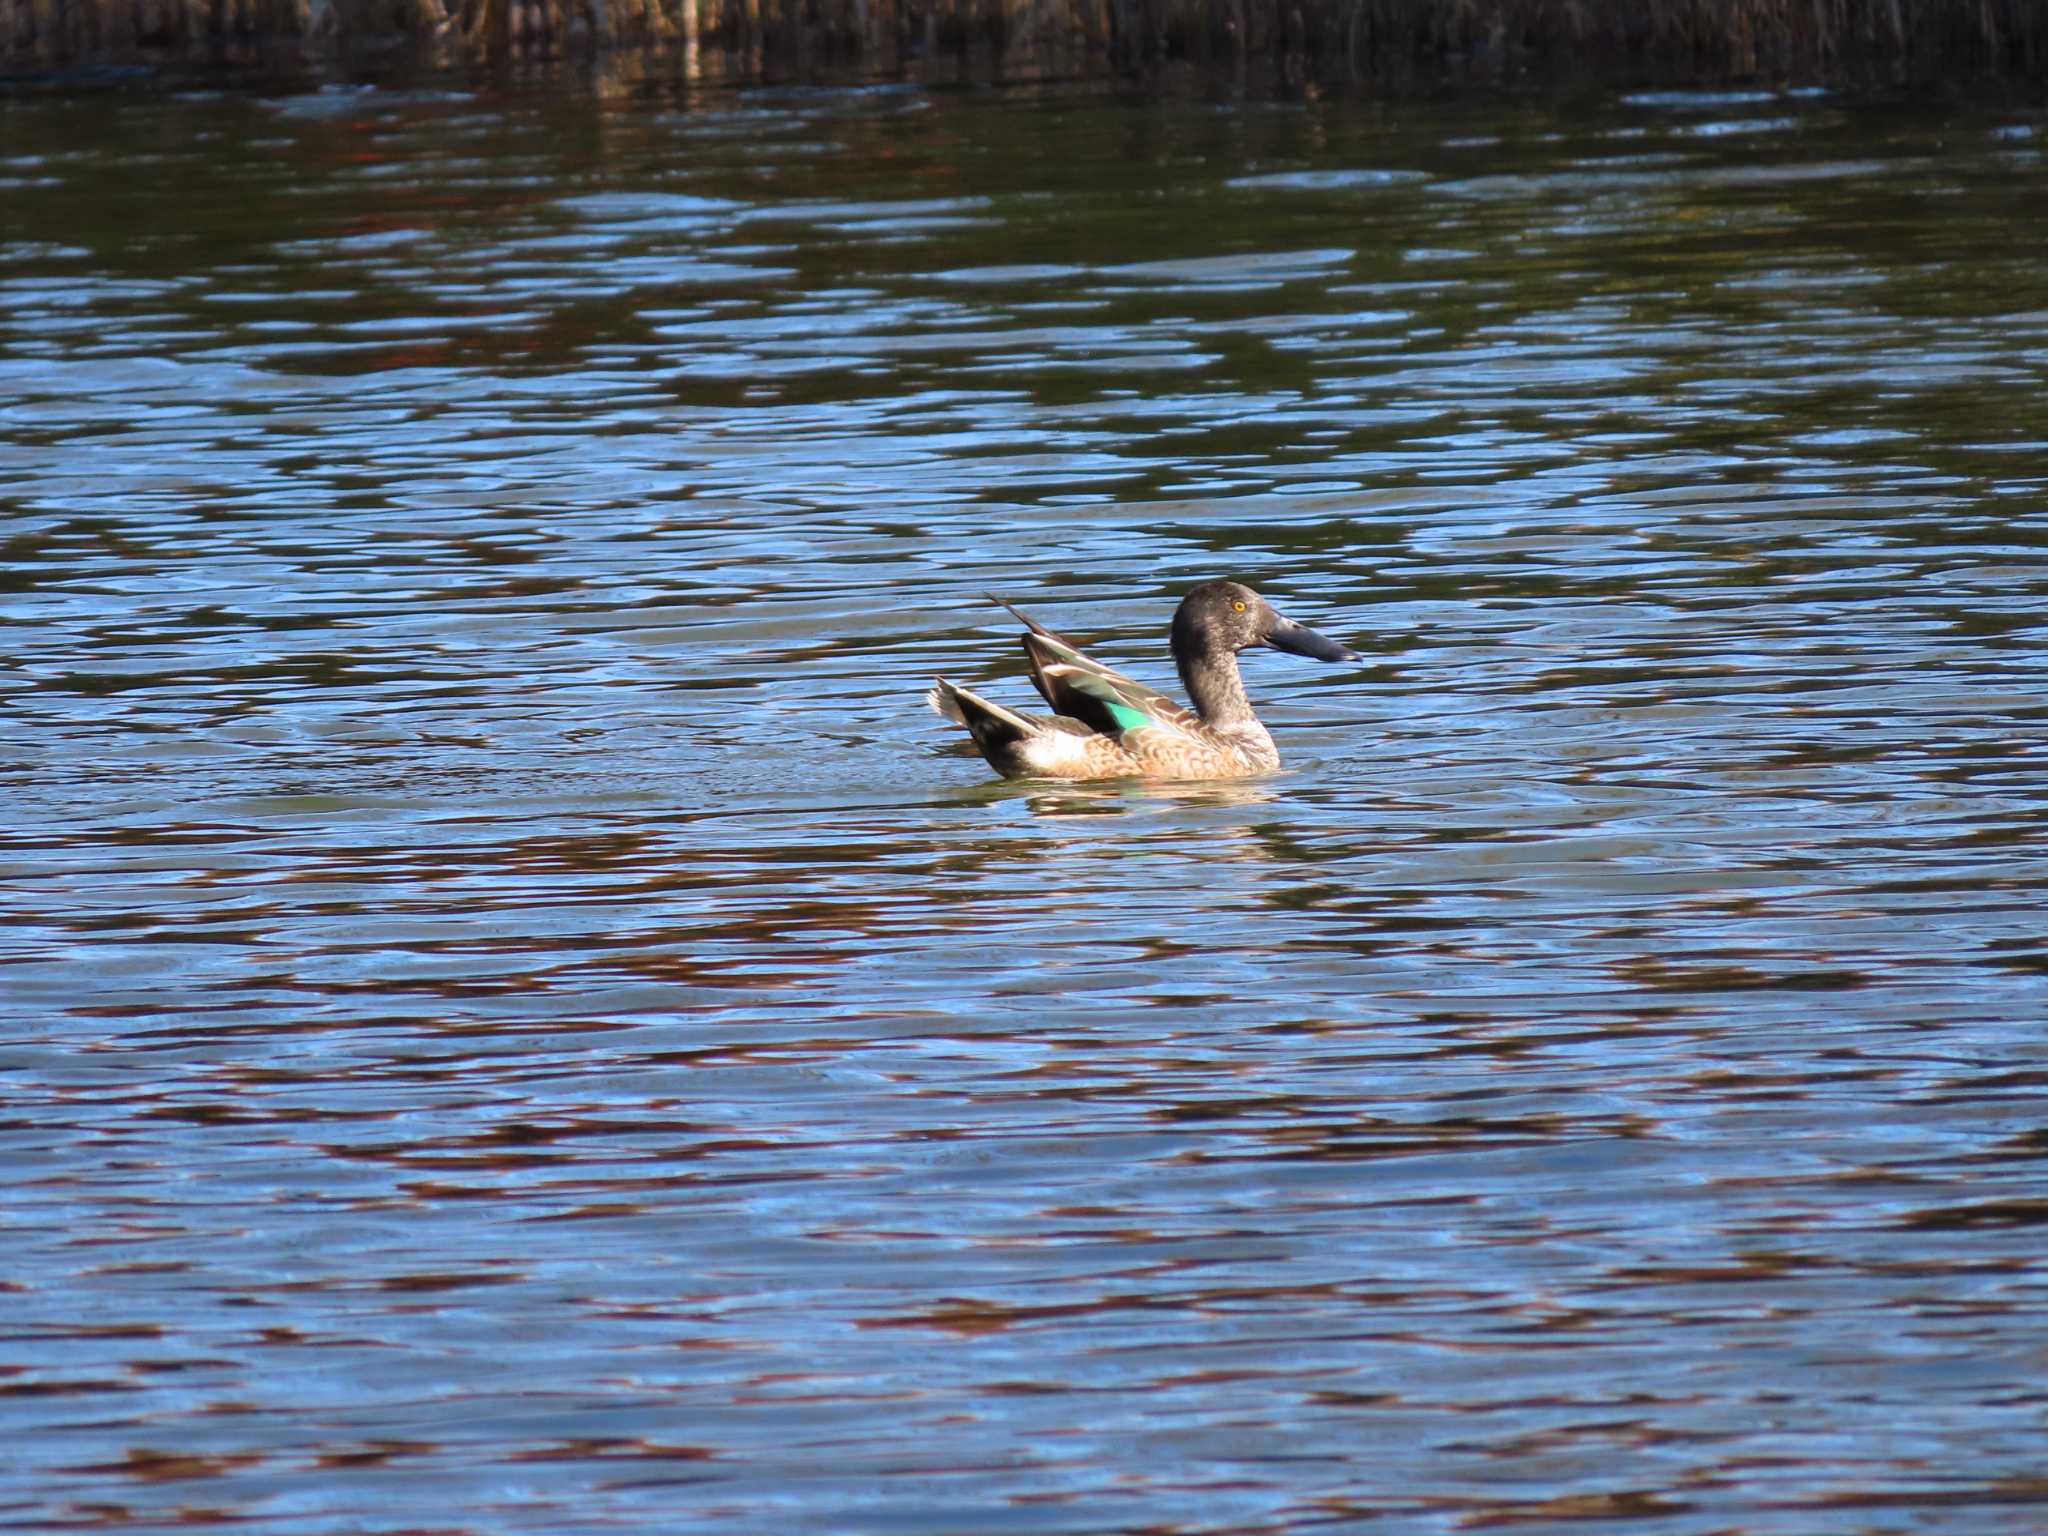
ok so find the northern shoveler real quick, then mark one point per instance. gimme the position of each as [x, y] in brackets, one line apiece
[1107, 727]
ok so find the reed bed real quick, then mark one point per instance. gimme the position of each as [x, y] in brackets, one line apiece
[1773, 39]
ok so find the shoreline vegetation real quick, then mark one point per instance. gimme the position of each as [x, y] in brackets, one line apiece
[1874, 42]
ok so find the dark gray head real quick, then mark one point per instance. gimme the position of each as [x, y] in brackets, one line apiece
[1225, 617]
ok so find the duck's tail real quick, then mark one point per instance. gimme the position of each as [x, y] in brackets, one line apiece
[997, 731]
[944, 699]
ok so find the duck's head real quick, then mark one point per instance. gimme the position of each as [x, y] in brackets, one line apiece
[1225, 617]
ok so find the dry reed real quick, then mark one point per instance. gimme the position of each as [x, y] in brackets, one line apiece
[1778, 39]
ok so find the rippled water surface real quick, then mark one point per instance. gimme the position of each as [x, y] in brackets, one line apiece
[519, 1020]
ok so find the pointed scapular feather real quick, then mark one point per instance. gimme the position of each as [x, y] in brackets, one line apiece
[1078, 686]
[1027, 621]
[1109, 700]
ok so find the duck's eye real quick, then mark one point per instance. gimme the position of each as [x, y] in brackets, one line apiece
[1237, 605]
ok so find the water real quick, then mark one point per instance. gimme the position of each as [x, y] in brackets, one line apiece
[520, 1021]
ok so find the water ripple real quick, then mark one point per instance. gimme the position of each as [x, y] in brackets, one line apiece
[518, 1019]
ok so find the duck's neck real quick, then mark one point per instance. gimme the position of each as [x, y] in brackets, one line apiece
[1216, 689]
[1214, 684]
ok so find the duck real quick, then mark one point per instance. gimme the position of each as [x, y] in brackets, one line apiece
[1105, 726]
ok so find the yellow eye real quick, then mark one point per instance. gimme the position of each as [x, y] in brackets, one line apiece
[1237, 603]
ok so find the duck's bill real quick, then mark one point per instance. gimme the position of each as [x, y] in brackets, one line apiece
[1303, 641]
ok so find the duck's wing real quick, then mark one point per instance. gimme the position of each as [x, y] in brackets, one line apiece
[1086, 690]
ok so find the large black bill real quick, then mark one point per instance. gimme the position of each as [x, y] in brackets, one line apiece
[1301, 640]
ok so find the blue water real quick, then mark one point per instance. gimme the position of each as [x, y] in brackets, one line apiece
[517, 1019]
